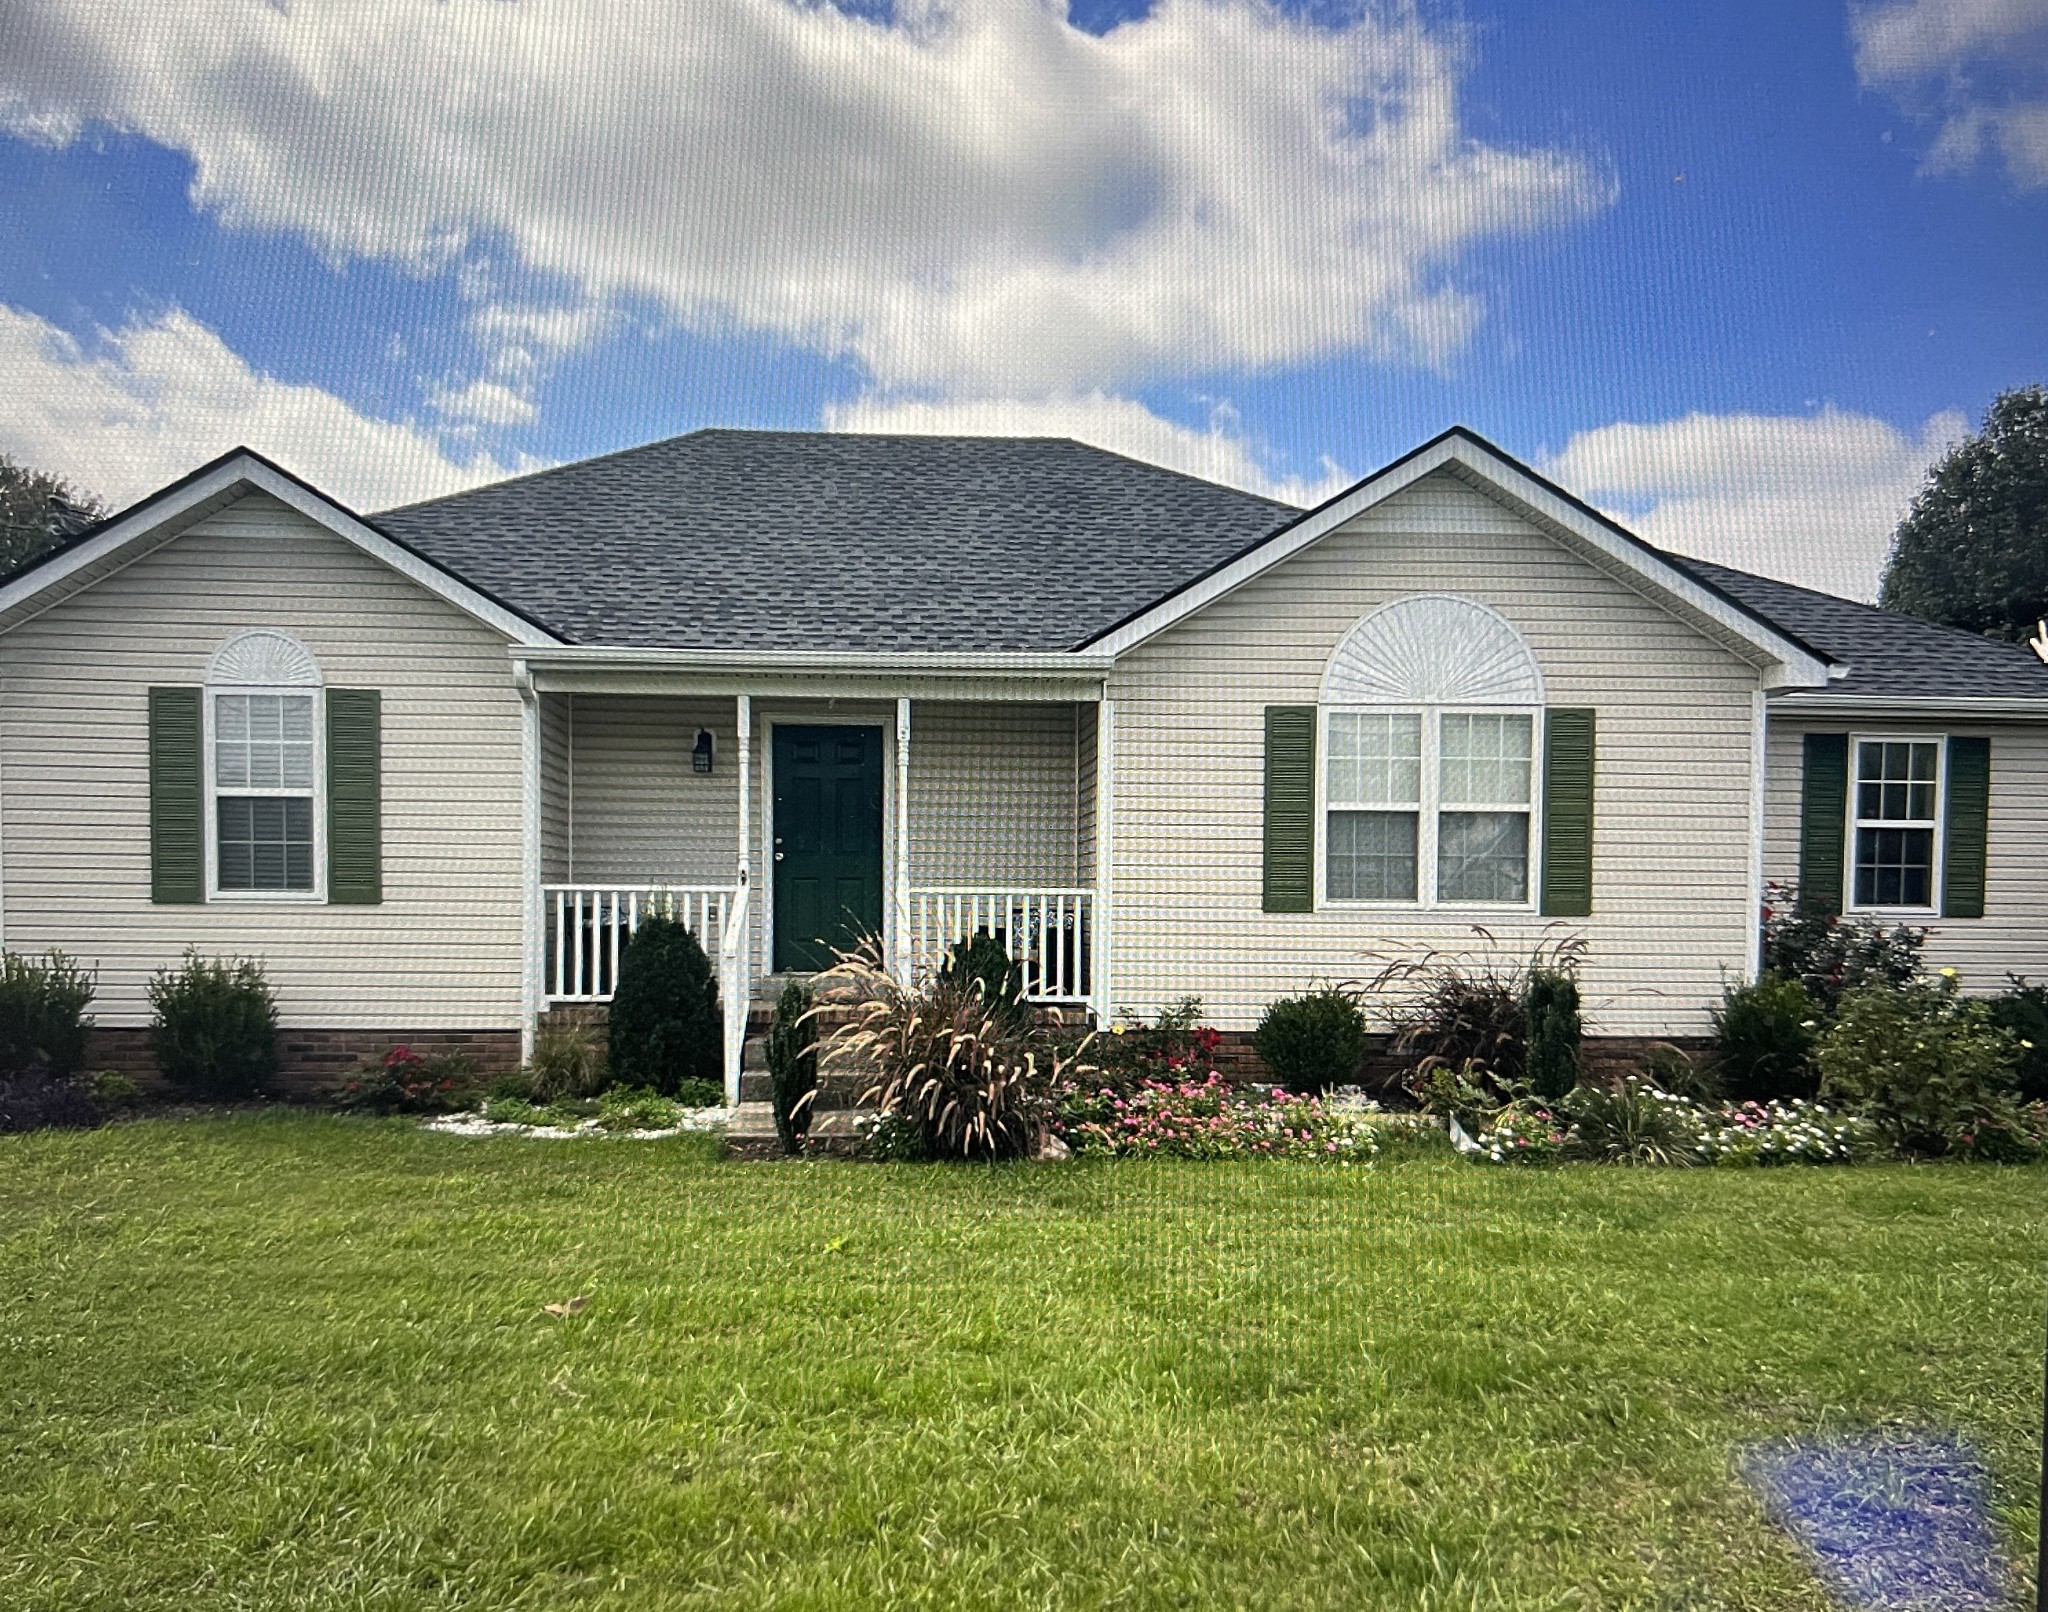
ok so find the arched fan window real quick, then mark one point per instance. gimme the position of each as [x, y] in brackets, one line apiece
[1430, 708]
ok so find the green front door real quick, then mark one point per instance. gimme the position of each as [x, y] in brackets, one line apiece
[828, 843]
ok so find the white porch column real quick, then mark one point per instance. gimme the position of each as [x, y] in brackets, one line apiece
[901, 903]
[533, 954]
[1105, 853]
[736, 947]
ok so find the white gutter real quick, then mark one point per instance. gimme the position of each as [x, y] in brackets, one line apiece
[2006, 705]
[1019, 666]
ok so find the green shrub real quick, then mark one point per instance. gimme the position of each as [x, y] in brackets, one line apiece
[407, 1082]
[1551, 1006]
[1173, 1044]
[43, 1022]
[2022, 1012]
[665, 1024]
[1829, 954]
[1633, 1122]
[793, 1064]
[985, 959]
[696, 1092]
[635, 1108]
[1931, 1069]
[115, 1091]
[1312, 1042]
[1466, 1092]
[1764, 1036]
[568, 1061]
[215, 1029]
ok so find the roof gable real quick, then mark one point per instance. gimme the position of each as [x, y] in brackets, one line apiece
[143, 527]
[1787, 660]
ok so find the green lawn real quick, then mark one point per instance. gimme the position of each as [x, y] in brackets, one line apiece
[292, 1361]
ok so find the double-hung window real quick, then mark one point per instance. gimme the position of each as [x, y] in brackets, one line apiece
[1896, 802]
[264, 774]
[1429, 806]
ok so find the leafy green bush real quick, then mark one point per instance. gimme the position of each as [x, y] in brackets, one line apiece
[568, 1061]
[215, 1028]
[635, 1108]
[1174, 1043]
[2022, 1012]
[407, 1082]
[1764, 1036]
[1551, 1005]
[1829, 954]
[1312, 1042]
[985, 959]
[1633, 1122]
[1931, 1069]
[1672, 1069]
[665, 1024]
[696, 1092]
[43, 1022]
[793, 1064]
[1466, 1092]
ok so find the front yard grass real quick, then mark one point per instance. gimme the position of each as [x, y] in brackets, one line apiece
[298, 1361]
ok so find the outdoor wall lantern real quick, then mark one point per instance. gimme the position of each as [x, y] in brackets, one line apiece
[700, 755]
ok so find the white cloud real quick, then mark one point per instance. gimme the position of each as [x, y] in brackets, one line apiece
[484, 402]
[1218, 452]
[156, 399]
[976, 199]
[1980, 65]
[1811, 499]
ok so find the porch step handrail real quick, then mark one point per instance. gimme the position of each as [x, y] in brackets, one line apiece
[1049, 930]
[588, 925]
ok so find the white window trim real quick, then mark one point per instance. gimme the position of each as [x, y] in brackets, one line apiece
[1427, 809]
[1856, 822]
[317, 896]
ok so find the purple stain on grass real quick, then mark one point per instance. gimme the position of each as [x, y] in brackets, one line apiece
[1897, 1522]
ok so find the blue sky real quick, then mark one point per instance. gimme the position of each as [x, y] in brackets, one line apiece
[1737, 272]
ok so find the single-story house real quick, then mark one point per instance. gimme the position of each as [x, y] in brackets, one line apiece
[1163, 737]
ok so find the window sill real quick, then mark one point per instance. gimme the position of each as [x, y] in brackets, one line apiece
[267, 898]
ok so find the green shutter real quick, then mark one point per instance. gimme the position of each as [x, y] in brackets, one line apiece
[1969, 811]
[355, 817]
[177, 853]
[1290, 882]
[1568, 813]
[1823, 820]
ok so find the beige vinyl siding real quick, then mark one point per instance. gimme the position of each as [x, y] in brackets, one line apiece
[991, 790]
[1085, 717]
[557, 747]
[2012, 936]
[1672, 903]
[443, 950]
[992, 794]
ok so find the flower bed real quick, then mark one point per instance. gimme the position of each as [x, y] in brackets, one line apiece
[1639, 1123]
[1210, 1118]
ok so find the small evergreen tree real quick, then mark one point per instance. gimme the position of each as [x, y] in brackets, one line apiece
[1552, 1005]
[793, 1065]
[665, 1025]
[1312, 1042]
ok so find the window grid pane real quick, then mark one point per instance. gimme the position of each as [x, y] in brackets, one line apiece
[1482, 856]
[1371, 856]
[264, 842]
[1375, 758]
[1895, 822]
[263, 741]
[1484, 758]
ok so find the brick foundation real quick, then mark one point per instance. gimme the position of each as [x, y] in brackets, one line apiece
[311, 1060]
[1602, 1057]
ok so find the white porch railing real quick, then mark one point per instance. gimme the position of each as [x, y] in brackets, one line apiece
[1051, 933]
[587, 927]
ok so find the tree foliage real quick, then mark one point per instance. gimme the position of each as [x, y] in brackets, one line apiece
[1973, 550]
[37, 512]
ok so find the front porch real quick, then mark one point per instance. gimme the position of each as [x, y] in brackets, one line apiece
[782, 826]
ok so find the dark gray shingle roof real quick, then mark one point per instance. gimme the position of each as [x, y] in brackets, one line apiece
[778, 540]
[1888, 655]
[771, 540]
